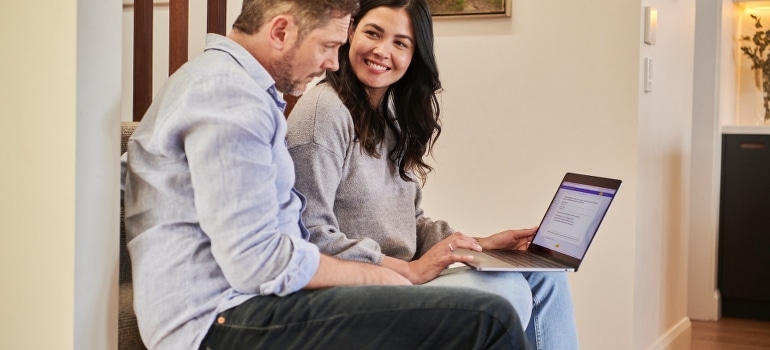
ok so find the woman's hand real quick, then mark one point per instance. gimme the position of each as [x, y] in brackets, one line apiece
[435, 260]
[509, 239]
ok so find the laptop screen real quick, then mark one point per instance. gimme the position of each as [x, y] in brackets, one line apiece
[573, 218]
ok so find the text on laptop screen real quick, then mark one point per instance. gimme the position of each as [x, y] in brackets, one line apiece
[573, 218]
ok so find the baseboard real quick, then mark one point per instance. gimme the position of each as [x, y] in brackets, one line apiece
[677, 338]
[709, 309]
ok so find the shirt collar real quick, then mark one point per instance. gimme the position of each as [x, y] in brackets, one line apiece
[248, 62]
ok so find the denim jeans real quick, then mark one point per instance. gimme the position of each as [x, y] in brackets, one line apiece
[370, 317]
[542, 301]
[552, 325]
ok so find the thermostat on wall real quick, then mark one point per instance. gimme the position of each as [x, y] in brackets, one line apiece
[650, 24]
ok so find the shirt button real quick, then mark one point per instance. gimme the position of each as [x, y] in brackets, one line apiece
[221, 320]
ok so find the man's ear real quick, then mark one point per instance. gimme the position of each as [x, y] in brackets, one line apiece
[282, 31]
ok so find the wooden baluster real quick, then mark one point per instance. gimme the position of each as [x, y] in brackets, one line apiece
[177, 42]
[216, 17]
[142, 57]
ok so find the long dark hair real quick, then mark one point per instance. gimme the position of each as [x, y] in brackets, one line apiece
[417, 124]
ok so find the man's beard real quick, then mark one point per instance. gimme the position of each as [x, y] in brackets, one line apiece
[283, 70]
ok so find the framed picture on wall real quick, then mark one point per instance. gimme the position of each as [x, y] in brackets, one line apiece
[470, 8]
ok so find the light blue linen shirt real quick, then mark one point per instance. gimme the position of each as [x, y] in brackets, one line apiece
[212, 217]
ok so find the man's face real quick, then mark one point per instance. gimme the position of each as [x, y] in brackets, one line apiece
[311, 57]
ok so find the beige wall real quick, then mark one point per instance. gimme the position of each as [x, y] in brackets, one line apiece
[557, 88]
[526, 101]
[37, 253]
[58, 198]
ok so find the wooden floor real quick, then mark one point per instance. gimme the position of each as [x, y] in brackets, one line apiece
[730, 334]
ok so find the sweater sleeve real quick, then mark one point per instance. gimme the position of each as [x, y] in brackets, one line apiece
[318, 138]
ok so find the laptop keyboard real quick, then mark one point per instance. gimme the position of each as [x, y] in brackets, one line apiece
[521, 258]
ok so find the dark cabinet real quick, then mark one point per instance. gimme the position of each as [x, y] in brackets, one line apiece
[744, 226]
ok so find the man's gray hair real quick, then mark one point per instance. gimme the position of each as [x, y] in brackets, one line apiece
[308, 14]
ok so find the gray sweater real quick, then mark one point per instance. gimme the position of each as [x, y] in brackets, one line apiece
[358, 207]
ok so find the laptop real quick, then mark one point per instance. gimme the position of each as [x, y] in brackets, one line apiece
[564, 234]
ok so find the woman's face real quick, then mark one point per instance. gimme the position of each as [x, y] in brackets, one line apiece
[381, 48]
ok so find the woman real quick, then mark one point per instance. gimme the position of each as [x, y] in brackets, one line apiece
[358, 140]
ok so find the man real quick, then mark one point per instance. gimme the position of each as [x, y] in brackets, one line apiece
[219, 254]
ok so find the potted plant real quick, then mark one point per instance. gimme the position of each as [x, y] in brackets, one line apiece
[760, 64]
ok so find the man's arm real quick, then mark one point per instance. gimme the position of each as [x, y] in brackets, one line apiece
[334, 272]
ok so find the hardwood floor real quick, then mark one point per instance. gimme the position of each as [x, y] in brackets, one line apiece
[730, 334]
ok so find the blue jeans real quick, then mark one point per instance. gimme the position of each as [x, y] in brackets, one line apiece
[542, 300]
[370, 317]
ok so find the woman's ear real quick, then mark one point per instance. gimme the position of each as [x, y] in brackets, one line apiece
[351, 30]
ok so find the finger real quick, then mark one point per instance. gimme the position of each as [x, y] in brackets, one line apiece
[525, 232]
[460, 240]
[468, 243]
[522, 245]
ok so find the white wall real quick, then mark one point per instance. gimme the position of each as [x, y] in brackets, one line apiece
[97, 206]
[712, 93]
[665, 117]
[58, 198]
